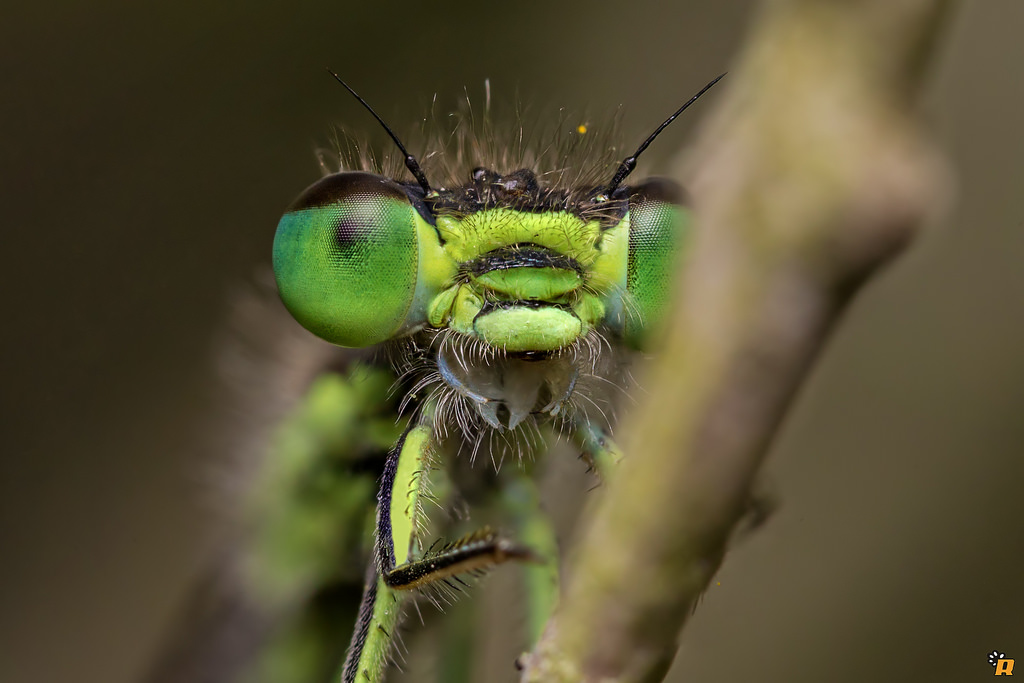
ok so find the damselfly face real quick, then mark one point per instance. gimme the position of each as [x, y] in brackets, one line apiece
[507, 295]
[511, 286]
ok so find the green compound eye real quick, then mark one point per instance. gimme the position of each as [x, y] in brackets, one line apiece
[346, 257]
[658, 225]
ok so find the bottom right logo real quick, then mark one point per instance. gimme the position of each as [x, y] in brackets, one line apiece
[999, 662]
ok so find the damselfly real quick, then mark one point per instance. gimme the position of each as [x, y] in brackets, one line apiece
[505, 293]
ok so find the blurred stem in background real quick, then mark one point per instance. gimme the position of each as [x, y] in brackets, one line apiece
[812, 174]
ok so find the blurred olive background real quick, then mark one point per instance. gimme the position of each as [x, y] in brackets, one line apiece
[147, 155]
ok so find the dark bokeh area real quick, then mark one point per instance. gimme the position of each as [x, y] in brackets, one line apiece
[148, 155]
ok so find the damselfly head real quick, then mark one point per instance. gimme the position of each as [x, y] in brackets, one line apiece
[519, 270]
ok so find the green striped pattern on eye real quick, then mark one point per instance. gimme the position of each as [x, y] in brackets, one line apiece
[346, 257]
[658, 225]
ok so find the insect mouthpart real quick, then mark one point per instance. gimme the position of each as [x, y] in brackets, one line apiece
[509, 388]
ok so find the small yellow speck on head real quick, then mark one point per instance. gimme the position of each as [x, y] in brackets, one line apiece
[581, 129]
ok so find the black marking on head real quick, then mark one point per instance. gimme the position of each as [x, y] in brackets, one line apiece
[341, 186]
[521, 255]
[419, 202]
[522, 191]
[493, 306]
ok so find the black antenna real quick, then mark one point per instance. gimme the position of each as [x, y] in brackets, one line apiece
[410, 160]
[629, 163]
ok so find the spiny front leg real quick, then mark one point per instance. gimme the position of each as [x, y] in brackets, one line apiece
[373, 638]
[400, 518]
[400, 521]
